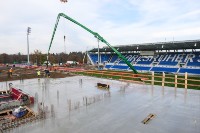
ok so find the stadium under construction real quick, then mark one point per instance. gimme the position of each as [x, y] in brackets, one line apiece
[82, 104]
[120, 95]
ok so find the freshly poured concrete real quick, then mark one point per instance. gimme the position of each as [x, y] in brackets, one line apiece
[175, 110]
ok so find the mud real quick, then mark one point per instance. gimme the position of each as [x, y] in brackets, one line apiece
[24, 73]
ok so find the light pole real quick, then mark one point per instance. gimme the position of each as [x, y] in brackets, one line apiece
[28, 32]
[98, 54]
[64, 45]
[63, 1]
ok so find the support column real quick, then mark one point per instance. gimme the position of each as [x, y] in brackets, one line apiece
[175, 82]
[186, 76]
[152, 78]
[163, 79]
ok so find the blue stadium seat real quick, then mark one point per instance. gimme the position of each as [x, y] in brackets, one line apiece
[108, 66]
[164, 61]
[194, 60]
[114, 58]
[197, 64]
[144, 62]
[164, 69]
[105, 57]
[119, 67]
[190, 70]
[94, 57]
[142, 68]
[167, 63]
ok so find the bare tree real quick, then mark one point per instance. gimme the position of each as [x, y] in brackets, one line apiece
[37, 57]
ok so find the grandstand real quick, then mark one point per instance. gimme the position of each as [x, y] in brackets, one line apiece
[168, 57]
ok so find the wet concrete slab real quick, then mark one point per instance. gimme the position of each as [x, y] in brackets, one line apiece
[121, 112]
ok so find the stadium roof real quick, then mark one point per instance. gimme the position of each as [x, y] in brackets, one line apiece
[173, 45]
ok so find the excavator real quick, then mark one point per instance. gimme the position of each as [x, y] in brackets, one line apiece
[95, 34]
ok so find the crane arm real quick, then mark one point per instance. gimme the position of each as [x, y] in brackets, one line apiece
[96, 35]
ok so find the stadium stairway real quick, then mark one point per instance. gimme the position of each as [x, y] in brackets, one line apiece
[178, 70]
[110, 58]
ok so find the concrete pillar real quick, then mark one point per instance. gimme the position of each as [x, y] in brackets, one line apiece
[152, 78]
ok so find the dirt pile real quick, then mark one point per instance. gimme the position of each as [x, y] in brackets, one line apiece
[24, 73]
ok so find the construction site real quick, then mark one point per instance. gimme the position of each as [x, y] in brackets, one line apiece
[76, 101]
[149, 87]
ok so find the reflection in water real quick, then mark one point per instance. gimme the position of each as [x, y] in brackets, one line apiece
[21, 80]
[163, 90]
[185, 90]
[185, 97]
[175, 92]
[80, 83]
[124, 87]
[36, 97]
[57, 97]
[52, 111]
[152, 90]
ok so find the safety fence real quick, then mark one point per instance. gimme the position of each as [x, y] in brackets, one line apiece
[172, 79]
[163, 79]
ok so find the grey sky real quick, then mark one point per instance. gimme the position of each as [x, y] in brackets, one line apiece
[119, 22]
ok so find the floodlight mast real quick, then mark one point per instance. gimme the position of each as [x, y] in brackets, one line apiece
[28, 33]
[96, 35]
[63, 1]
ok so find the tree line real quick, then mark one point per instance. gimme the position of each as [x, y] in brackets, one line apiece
[37, 57]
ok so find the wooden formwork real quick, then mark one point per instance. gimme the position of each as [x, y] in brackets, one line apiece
[9, 121]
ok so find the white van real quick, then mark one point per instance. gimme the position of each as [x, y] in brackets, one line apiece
[72, 62]
[45, 63]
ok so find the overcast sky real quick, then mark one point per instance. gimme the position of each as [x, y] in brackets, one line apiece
[120, 22]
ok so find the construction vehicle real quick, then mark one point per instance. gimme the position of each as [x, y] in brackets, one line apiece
[13, 98]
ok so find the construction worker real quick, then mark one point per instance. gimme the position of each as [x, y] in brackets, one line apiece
[11, 71]
[38, 73]
[47, 73]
